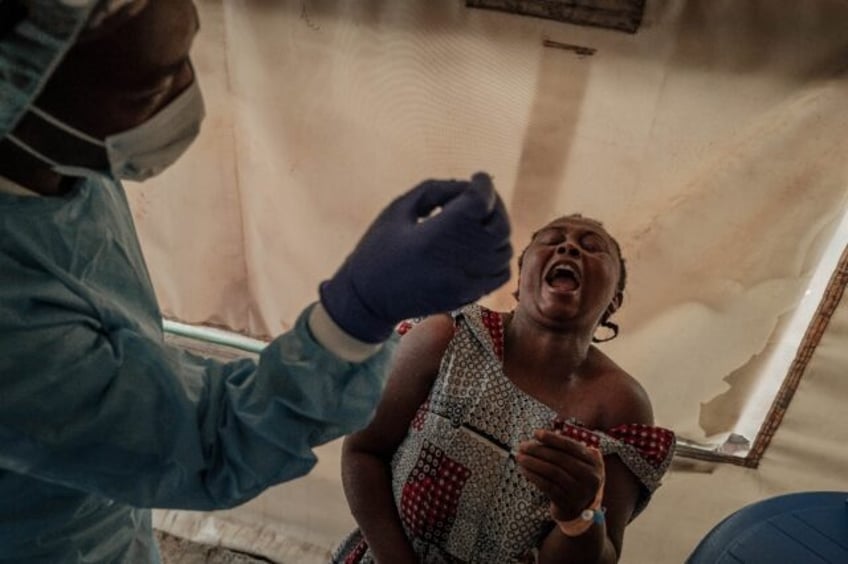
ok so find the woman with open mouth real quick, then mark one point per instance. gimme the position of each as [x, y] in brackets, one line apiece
[510, 437]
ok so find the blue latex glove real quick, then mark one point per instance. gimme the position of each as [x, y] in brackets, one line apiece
[410, 264]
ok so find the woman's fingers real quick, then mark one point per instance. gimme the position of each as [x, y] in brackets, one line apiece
[566, 471]
[572, 457]
[565, 444]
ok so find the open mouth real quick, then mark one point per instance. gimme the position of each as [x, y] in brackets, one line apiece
[563, 277]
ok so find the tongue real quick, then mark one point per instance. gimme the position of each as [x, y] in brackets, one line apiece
[566, 283]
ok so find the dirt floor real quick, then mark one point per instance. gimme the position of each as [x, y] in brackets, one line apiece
[180, 551]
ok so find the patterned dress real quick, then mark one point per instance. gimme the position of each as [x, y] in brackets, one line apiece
[455, 480]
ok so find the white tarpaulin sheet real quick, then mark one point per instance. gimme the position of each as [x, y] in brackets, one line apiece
[712, 144]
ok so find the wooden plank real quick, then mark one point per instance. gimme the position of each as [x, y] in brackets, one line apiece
[621, 15]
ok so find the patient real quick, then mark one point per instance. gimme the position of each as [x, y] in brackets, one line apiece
[509, 437]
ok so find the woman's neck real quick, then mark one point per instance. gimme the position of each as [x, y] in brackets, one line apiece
[532, 348]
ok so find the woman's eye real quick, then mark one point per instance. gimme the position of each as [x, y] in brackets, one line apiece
[549, 238]
[593, 244]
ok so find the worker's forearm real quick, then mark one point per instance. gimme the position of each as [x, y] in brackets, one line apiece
[122, 415]
[368, 487]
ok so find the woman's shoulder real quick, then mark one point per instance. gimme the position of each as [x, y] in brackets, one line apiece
[427, 337]
[625, 400]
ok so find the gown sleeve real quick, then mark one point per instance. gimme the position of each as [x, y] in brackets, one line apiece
[122, 414]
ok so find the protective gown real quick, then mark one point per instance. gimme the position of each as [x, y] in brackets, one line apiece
[100, 419]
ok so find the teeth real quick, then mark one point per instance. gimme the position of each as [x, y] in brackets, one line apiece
[562, 269]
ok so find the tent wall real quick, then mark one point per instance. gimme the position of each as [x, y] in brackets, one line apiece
[711, 143]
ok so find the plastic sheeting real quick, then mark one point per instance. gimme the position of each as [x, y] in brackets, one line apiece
[711, 143]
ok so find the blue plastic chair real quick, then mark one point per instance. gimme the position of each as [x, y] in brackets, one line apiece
[801, 528]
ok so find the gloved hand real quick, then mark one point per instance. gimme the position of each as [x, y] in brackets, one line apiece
[410, 264]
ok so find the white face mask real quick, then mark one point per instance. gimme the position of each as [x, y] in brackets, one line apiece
[145, 150]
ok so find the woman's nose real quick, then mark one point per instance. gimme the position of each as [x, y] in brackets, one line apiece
[569, 249]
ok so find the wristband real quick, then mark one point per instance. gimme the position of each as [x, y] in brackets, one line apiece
[592, 514]
[583, 523]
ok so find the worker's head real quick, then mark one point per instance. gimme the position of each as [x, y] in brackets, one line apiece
[123, 99]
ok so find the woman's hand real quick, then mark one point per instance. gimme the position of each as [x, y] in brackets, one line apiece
[565, 470]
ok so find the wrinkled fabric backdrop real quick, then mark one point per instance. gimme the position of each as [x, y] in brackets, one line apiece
[712, 144]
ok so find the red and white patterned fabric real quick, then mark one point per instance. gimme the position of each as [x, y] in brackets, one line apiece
[455, 480]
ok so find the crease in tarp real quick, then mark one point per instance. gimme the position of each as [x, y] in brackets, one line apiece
[253, 316]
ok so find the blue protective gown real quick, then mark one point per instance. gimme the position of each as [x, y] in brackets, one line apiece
[101, 420]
